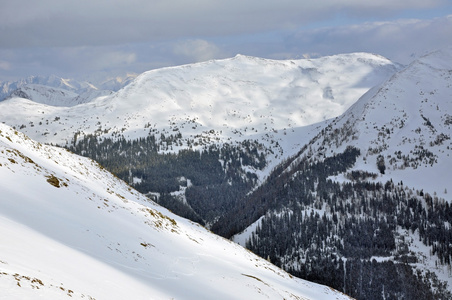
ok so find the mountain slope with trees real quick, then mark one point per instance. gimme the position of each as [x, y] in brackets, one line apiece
[368, 196]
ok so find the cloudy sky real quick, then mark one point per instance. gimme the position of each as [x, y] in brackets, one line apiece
[75, 39]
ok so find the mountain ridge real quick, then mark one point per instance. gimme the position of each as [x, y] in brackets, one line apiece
[236, 98]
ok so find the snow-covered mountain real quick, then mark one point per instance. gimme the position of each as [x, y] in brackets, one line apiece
[68, 228]
[68, 85]
[405, 123]
[55, 96]
[56, 91]
[223, 100]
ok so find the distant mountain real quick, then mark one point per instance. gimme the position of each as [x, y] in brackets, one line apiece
[55, 96]
[68, 228]
[49, 81]
[50, 89]
[369, 194]
[221, 100]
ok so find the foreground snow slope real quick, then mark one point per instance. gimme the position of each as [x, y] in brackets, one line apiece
[69, 228]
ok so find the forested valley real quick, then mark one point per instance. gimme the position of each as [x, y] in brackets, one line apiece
[356, 236]
[200, 185]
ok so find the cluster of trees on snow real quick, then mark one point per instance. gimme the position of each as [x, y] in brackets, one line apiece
[268, 195]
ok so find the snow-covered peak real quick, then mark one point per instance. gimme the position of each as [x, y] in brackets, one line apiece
[68, 228]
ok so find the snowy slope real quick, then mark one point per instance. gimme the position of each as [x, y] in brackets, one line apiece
[69, 228]
[218, 101]
[407, 120]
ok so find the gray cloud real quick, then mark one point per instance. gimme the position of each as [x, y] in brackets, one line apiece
[197, 50]
[4, 65]
[400, 40]
[80, 23]
[65, 61]
[77, 38]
